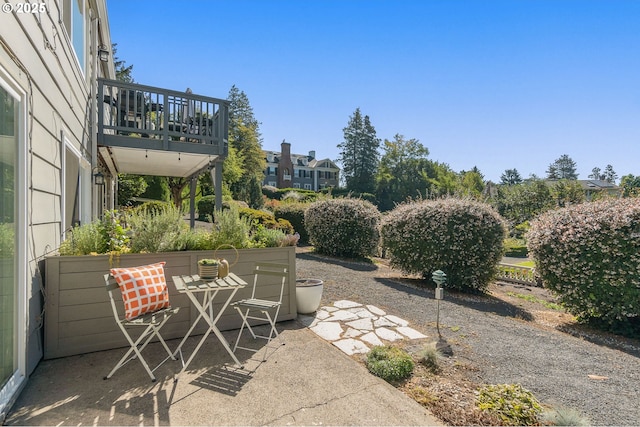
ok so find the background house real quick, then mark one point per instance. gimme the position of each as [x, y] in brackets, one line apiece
[286, 170]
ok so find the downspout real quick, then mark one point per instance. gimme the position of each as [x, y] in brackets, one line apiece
[93, 121]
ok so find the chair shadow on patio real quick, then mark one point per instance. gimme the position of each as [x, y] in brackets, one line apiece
[228, 380]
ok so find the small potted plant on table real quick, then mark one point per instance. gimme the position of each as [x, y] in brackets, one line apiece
[208, 268]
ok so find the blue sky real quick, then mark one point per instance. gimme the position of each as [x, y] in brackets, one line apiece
[492, 84]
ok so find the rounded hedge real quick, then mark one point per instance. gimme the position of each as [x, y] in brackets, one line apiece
[589, 255]
[294, 213]
[390, 363]
[343, 227]
[463, 238]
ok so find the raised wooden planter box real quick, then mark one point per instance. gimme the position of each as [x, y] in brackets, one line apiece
[78, 317]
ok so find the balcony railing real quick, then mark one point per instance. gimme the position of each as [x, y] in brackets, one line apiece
[137, 116]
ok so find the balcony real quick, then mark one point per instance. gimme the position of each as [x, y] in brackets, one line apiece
[145, 130]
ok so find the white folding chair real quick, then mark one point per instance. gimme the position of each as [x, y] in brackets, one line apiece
[152, 322]
[268, 276]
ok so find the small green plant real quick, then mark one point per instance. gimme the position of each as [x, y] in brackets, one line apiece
[208, 261]
[7, 240]
[82, 240]
[564, 417]
[430, 357]
[230, 229]
[514, 404]
[531, 298]
[389, 363]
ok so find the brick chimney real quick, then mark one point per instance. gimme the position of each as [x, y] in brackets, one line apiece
[285, 167]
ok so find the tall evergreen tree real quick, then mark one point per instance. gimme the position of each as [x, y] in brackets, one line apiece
[609, 174]
[595, 174]
[123, 72]
[246, 143]
[562, 168]
[359, 154]
[510, 177]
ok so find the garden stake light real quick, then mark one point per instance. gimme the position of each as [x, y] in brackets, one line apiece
[440, 278]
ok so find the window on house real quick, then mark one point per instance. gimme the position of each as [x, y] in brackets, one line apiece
[74, 18]
[12, 261]
[272, 183]
[76, 173]
[296, 185]
[307, 186]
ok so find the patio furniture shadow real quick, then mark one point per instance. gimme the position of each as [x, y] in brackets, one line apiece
[223, 379]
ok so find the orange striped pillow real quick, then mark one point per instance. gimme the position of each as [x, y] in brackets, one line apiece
[144, 289]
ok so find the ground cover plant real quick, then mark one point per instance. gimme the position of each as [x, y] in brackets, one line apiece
[589, 255]
[392, 364]
[461, 237]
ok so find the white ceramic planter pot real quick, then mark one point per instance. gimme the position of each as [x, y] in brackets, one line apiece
[308, 295]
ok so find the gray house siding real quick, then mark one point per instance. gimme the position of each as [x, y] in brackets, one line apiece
[37, 54]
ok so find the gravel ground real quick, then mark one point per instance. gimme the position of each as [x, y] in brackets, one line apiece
[600, 381]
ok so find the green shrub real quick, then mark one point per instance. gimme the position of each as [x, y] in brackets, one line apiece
[564, 417]
[430, 357]
[193, 240]
[514, 404]
[463, 238]
[153, 207]
[82, 240]
[589, 255]
[294, 213]
[99, 237]
[206, 206]
[229, 228]
[259, 217]
[343, 227]
[7, 240]
[155, 229]
[515, 248]
[389, 363]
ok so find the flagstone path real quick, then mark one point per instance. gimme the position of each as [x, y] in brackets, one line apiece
[354, 328]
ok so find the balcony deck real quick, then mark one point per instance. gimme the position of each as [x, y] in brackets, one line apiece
[145, 130]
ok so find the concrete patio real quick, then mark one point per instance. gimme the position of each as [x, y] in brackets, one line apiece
[308, 381]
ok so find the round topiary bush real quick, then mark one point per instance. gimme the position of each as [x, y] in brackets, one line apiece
[589, 255]
[294, 213]
[461, 237]
[343, 227]
[390, 363]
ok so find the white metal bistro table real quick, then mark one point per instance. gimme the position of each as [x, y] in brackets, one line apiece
[192, 285]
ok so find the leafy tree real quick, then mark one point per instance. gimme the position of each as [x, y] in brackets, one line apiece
[520, 203]
[471, 183]
[630, 185]
[596, 174]
[566, 192]
[445, 180]
[176, 187]
[245, 159]
[130, 186]
[157, 188]
[510, 177]
[359, 153]
[562, 168]
[123, 72]
[610, 175]
[404, 171]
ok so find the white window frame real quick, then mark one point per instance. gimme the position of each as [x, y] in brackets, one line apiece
[84, 185]
[296, 185]
[13, 385]
[307, 186]
[68, 23]
[272, 183]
